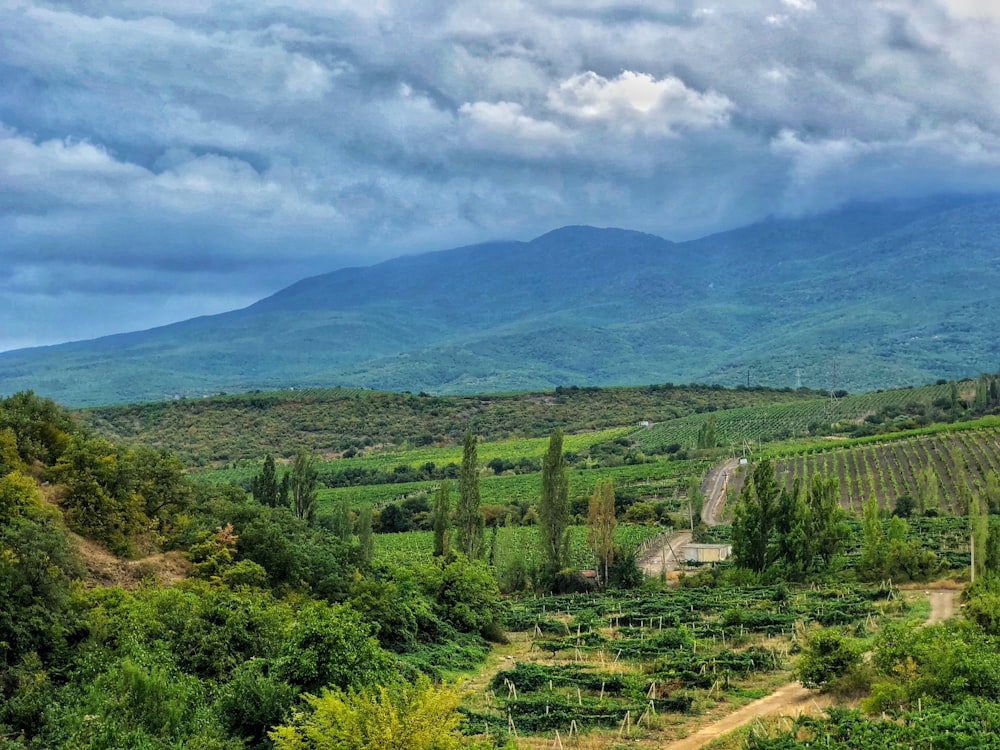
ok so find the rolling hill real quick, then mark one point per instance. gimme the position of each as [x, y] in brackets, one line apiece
[870, 296]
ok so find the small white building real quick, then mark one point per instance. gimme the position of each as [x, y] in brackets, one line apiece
[705, 553]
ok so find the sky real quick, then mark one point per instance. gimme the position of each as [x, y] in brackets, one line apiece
[163, 160]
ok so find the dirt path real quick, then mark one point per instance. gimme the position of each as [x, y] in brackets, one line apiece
[942, 605]
[791, 699]
[667, 556]
[714, 488]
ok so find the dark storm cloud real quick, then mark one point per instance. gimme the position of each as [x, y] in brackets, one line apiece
[172, 159]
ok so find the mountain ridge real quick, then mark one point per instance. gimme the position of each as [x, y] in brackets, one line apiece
[873, 295]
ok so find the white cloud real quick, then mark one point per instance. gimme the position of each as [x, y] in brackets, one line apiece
[640, 101]
[508, 120]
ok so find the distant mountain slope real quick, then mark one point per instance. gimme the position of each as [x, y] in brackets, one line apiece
[868, 297]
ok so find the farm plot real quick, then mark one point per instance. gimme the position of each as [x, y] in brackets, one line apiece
[778, 421]
[651, 480]
[937, 471]
[241, 472]
[610, 663]
[511, 543]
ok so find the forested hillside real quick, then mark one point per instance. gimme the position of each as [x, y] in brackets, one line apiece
[870, 296]
[338, 420]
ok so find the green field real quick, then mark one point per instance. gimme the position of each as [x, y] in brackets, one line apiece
[940, 465]
[764, 423]
[518, 542]
[511, 450]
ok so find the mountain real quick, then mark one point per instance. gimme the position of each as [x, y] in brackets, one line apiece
[869, 296]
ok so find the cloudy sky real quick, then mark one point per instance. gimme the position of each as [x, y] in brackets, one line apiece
[161, 160]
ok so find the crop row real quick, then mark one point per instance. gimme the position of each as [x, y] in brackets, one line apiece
[650, 478]
[775, 421]
[510, 544]
[939, 471]
[615, 658]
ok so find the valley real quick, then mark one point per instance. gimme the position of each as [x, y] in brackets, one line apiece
[871, 504]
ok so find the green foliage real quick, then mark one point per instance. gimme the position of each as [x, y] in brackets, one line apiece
[17, 492]
[402, 716]
[553, 507]
[302, 483]
[937, 664]
[468, 516]
[330, 645]
[100, 501]
[964, 725]
[601, 525]
[41, 428]
[827, 656]
[264, 486]
[254, 700]
[37, 564]
[754, 519]
[442, 519]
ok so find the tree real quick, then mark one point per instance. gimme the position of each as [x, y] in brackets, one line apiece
[264, 486]
[341, 521]
[601, 524]
[706, 433]
[469, 518]
[442, 519]
[365, 538]
[284, 490]
[982, 397]
[873, 559]
[695, 499]
[754, 519]
[928, 490]
[553, 507]
[828, 529]
[303, 485]
[792, 526]
[978, 535]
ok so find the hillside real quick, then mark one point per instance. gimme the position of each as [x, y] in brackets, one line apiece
[330, 421]
[867, 297]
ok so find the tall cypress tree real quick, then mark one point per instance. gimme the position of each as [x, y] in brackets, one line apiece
[303, 485]
[553, 507]
[366, 540]
[601, 524]
[442, 519]
[265, 485]
[754, 519]
[468, 517]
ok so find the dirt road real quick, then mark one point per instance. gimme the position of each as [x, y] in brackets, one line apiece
[942, 605]
[714, 488]
[791, 699]
[667, 556]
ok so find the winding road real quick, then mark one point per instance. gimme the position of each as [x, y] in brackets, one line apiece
[667, 556]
